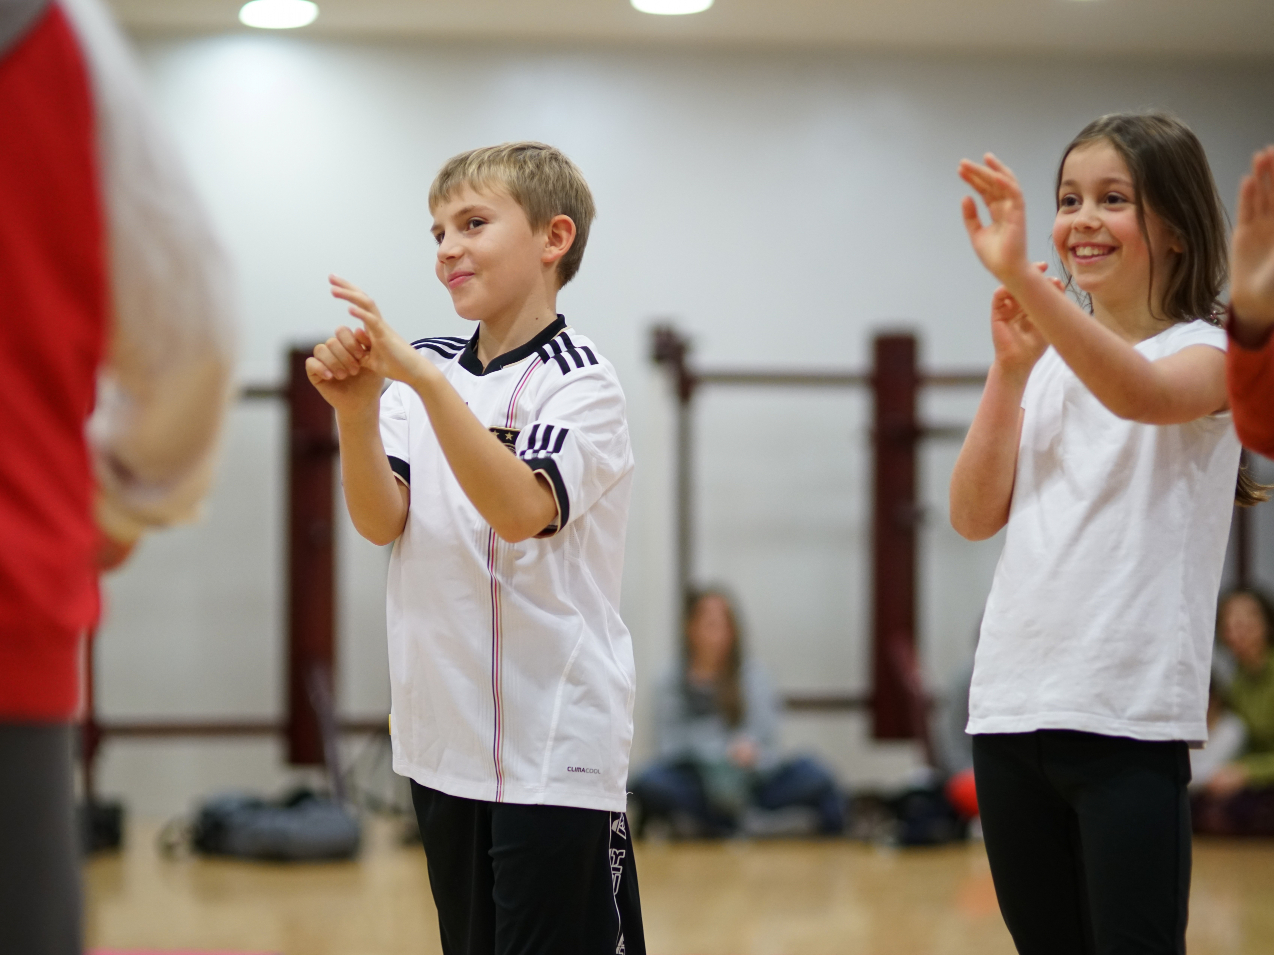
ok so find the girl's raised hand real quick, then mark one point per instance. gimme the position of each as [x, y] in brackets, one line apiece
[385, 353]
[1018, 343]
[1252, 246]
[1001, 243]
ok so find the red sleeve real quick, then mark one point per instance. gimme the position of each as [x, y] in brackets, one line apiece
[1250, 381]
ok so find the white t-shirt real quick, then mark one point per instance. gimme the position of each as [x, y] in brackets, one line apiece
[1102, 611]
[511, 672]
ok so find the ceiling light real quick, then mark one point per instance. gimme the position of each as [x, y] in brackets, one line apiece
[671, 7]
[278, 14]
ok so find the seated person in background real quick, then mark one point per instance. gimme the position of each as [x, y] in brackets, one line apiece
[1227, 738]
[717, 724]
[1238, 799]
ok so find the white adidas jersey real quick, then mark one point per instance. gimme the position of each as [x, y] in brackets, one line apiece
[511, 671]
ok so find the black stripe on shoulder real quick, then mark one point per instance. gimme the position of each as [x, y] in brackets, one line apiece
[567, 355]
[444, 350]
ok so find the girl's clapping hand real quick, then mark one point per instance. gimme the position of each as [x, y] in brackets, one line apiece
[1018, 343]
[1001, 243]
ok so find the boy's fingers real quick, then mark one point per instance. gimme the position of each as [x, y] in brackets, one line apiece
[352, 345]
[326, 353]
[348, 363]
[316, 370]
[370, 319]
[354, 296]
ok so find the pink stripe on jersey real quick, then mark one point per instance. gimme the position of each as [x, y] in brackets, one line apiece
[517, 391]
[497, 739]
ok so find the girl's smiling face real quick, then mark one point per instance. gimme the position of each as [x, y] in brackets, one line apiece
[1098, 235]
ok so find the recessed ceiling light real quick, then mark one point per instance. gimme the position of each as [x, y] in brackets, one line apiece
[278, 14]
[671, 7]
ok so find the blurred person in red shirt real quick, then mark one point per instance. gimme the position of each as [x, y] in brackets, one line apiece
[1250, 366]
[115, 379]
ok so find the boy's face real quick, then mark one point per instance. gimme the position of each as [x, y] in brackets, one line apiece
[489, 258]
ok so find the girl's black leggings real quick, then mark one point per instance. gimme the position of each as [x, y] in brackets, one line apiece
[1089, 840]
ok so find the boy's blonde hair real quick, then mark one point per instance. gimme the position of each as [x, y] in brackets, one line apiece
[538, 177]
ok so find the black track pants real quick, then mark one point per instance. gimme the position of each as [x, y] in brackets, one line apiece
[511, 879]
[39, 846]
[1089, 840]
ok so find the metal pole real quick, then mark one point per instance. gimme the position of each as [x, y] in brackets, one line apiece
[895, 382]
[669, 349]
[311, 576]
[1243, 537]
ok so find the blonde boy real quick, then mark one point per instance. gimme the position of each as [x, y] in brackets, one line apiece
[500, 467]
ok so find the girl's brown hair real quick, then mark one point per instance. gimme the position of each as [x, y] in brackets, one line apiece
[729, 691]
[1171, 177]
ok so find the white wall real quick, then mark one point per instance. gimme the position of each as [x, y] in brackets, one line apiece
[778, 207]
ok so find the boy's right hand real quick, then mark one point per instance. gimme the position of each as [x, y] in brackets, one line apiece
[1018, 343]
[337, 369]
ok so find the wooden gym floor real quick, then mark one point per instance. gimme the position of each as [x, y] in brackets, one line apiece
[760, 898]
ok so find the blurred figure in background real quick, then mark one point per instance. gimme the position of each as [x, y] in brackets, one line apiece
[1250, 366]
[1238, 796]
[719, 771]
[116, 309]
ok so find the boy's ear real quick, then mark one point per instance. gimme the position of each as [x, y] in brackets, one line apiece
[559, 236]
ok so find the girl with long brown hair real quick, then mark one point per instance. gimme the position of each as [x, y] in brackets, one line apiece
[1104, 443]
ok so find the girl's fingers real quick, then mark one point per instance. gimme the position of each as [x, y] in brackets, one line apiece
[993, 162]
[972, 221]
[1041, 266]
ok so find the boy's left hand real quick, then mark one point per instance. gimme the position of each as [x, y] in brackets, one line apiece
[1001, 243]
[388, 353]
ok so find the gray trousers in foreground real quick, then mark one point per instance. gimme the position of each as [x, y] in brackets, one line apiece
[39, 844]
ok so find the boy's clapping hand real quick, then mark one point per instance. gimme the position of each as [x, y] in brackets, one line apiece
[350, 368]
[381, 349]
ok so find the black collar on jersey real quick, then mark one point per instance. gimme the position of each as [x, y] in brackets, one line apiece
[469, 357]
